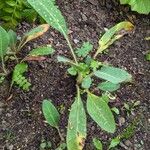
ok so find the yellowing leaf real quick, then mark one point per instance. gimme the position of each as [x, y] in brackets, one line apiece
[76, 131]
[36, 32]
[113, 34]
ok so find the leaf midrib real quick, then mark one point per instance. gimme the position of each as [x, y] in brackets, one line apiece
[113, 78]
[51, 116]
[100, 113]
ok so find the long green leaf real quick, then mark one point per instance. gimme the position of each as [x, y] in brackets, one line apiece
[51, 14]
[112, 74]
[12, 38]
[76, 131]
[4, 41]
[50, 113]
[100, 113]
[41, 51]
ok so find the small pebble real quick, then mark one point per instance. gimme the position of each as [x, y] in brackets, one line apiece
[1, 105]
[76, 41]
[128, 143]
[121, 121]
[93, 128]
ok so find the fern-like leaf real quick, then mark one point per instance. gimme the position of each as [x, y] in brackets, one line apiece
[18, 77]
[84, 50]
[51, 14]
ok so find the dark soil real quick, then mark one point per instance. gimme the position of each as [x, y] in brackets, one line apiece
[22, 124]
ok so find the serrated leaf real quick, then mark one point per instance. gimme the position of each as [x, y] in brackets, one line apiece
[42, 51]
[6, 18]
[108, 86]
[95, 65]
[12, 38]
[100, 113]
[50, 113]
[2, 4]
[114, 143]
[51, 14]
[98, 144]
[72, 71]
[141, 6]
[10, 2]
[76, 131]
[114, 34]
[8, 10]
[29, 14]
[112, 74]
[18, 77]
[84, 50]
[14, 21]
[17, 14]
[36, 32]
[86, 83]
[4, 41]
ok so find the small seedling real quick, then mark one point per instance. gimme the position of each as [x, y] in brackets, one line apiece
[85, 72]
[45, 145]
[97, 144]
[130, 107]
[10, 47]
[147, 56]
[127, 133]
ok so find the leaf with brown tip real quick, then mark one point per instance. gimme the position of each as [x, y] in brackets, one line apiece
[36, 32]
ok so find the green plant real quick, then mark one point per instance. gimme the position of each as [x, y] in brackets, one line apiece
[13, 11]
[97, 144]
[130, 107]
[148, 56]
[45, 144]
[84, 70]
[127, 133]
[141, 6]
[10, 47]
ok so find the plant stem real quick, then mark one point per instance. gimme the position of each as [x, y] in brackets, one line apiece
[72, 51]
[61, 137]
[16, 58]
[95, 55]
[21, 44]
[3, 65]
